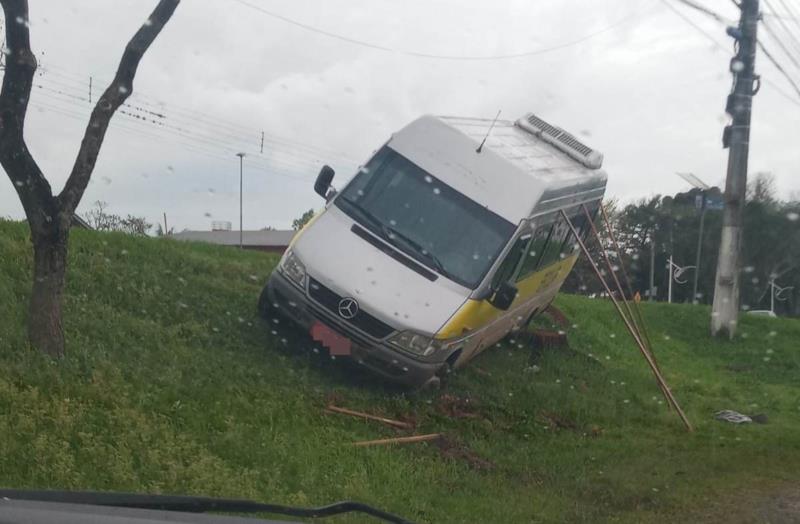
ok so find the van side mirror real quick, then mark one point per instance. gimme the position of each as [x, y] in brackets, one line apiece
[504, 296]
[324, 179]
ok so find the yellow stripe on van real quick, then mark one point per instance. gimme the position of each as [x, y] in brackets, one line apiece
[475, 314]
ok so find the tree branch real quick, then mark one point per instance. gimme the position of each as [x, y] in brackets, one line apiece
[113, 97]
[29, 181]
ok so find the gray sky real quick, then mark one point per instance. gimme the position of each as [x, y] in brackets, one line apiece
[642, 86]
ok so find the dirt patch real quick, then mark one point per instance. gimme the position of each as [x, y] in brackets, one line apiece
[457, 407]
[782, 507]
[452, 449]
[556, 421]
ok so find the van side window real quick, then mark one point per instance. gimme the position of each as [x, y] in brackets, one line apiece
[509, 265]
[535, 251]
[552, 252]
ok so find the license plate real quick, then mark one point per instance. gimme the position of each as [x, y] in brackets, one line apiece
[337, 344]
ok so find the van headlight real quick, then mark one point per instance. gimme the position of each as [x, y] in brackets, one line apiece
[420, 344]
[293, 269]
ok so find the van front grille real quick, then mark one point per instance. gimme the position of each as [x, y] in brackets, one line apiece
[363, 321]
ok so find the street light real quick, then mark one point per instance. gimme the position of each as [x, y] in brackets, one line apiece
[241, 170]
[675, 272]
[703, 187]
[773, 295]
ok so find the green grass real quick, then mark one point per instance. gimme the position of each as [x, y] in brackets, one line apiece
[172, 384]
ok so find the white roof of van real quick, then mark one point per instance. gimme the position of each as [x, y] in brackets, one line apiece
[516, 172]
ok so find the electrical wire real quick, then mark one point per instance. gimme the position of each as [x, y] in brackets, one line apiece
[770, 57]
[780, 43]
[204, 133]
[161, 110]
[787, 30]
[779, 67]
[705, 10]
[416, 54]
[792, 14]
[265, 165]
[691, 22]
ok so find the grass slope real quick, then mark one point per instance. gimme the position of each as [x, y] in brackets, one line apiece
[172, 384]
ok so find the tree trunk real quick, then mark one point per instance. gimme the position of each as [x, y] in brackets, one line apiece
[45, 329]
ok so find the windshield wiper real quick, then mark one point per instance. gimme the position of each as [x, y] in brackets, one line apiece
[195, 504]
[389, 234]
[417, 247]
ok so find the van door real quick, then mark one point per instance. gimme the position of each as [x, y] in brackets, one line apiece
[506, 272]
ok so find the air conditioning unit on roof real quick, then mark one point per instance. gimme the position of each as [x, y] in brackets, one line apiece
[561, 140]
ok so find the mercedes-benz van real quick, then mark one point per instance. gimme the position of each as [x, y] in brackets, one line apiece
[448, 238]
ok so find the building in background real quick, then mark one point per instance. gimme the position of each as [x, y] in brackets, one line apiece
[270, 240]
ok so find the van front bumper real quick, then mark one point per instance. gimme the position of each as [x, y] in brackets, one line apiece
[281, 297]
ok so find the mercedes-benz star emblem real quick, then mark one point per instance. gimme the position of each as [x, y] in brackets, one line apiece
[348, 308]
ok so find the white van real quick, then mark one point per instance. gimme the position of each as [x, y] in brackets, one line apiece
[446, 240]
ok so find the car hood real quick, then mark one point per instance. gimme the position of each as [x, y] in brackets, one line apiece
[385, 288]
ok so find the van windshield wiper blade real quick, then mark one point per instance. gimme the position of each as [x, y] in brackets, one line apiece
[389, 234]
[195, 504]
[417, 247]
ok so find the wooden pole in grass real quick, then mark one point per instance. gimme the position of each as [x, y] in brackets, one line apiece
[627, 279]
[398, 440]
[389, 422]
[638, 333]
[632, 319]
[663, 383]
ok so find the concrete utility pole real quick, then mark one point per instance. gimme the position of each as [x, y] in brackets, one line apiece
[725, 310]
[241, 171]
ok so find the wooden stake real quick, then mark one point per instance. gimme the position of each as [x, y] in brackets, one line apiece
[399, 440]
[344, 411]
[617, 282]
[627, 279]
[663, 383]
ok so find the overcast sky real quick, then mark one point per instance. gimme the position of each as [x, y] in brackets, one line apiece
[638, 83]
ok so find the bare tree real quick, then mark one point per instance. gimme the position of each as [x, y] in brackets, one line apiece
[49, 215]
[100, 219]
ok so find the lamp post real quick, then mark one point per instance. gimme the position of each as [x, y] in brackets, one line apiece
[675, 272]
[703, 187]
[775, 292]
[241, 171]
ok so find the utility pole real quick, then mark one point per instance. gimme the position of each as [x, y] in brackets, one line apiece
[725, 310]
[695, 299]
[669, 292]
[241, 171]
[166, 229]
[652, 269]
[703, 187]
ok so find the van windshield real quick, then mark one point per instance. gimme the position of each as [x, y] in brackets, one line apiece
[425, 218]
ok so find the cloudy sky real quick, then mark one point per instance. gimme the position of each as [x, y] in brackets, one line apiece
[630, 77]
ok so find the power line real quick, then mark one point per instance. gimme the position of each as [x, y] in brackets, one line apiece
[705, 10]
[780, 43]
[720, 46]
[159, 109]
[785, 27]
[269, 165]
[416, 54]
[778, 66]
[691, 22]
[187, 125]
[793, 16]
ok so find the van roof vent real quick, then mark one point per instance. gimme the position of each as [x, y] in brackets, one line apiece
[561, 140]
